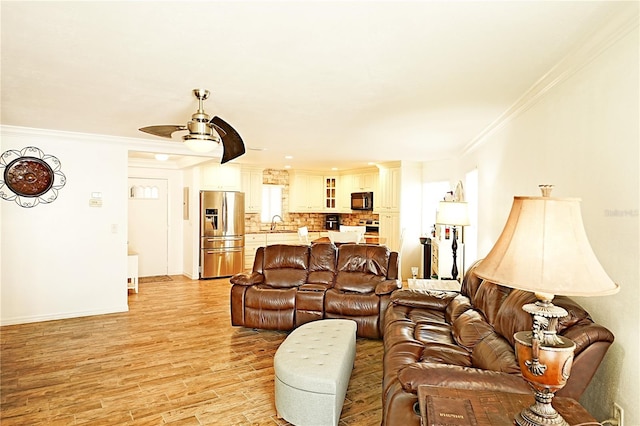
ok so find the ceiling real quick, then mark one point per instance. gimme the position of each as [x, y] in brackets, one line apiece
[332, 84]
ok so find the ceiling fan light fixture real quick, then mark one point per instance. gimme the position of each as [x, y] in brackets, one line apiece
[205, 134]
[201, 145]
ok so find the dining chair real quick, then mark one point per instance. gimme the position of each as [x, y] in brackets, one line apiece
[344, 237]
[303, 235]
[360, 230]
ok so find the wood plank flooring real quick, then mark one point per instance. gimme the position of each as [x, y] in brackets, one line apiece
[174, 358]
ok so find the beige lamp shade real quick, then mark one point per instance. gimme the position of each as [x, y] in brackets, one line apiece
[452, 213]
[544, 248]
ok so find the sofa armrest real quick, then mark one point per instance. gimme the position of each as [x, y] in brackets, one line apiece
[387, 286]
[247, 279]
[459, 377]
[423, 299]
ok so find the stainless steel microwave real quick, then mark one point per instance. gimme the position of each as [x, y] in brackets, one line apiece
[362, 201]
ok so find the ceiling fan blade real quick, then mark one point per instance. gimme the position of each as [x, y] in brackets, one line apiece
[163, 131]
[232, 145]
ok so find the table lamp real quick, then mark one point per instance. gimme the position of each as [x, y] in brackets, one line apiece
[544, 249]
[453, 213]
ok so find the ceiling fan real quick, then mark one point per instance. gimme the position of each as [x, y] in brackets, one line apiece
[204, 134]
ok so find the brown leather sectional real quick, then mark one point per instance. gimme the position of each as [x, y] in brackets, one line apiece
[460, 340]
[291, 285]
[466, 341]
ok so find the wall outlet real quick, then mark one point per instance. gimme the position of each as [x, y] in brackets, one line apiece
[618, 414]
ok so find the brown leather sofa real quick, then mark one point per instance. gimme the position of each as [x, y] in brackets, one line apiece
[291, 285]
[466, 341]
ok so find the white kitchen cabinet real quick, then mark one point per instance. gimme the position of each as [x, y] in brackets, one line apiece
[252, 188]
[218, 177]
[365, 182]
[306, 192]
[344, 194]
[331, 201]
[390, 230]
[399, 208]
[251, 244]
[390, 187]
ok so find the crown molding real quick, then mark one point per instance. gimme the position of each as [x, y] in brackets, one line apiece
[173, 147]
[617, 27]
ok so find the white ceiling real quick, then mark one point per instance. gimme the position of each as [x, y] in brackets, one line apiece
[334, 84]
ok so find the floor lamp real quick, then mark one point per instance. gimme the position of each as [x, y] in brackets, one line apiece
[453, 213]
[544, 249]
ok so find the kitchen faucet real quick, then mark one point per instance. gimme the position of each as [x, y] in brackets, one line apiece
[273, 221]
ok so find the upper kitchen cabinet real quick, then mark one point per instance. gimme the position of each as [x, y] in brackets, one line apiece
[344, 193]
[364, 182]
[390, 190]
[252, 188]
[331, 193]
[217, 177]
[306, 192]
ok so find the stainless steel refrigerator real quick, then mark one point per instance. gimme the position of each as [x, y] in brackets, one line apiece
[221, 233]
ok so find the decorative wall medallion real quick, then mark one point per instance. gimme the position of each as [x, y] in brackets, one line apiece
[30, 177]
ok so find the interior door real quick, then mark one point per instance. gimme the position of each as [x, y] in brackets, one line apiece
[148, 225]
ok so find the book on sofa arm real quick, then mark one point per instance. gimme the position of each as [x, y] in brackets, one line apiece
[444, 411]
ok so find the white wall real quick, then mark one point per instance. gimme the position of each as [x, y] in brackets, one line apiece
[583, 137]
[66, 259]
[191, 227]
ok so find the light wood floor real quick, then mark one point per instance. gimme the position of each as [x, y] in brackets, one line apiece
[174, 358]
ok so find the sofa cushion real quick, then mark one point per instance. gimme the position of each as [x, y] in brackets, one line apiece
[470, 328]
[488, 299]
[496, 354]
[351, 304]
[361, 267]
[371, 259]
[322, 263]
[446, 353]
[470, 281]
[457, 307]
[285, 266]
[357, 282]
[429, 332]
[268, 298]
[511, 318]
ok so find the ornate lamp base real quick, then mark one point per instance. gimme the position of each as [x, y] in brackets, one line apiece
[546, 368]
[540, 413]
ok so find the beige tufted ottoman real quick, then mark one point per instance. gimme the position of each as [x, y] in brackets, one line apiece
[313, 366]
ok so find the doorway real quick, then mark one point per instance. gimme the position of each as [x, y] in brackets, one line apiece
[149, 225]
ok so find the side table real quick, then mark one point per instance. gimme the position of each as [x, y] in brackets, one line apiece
[499, 408]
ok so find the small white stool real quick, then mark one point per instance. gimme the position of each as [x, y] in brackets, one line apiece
[132, 271]
[313, 367]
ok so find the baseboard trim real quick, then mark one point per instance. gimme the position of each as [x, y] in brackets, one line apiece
[61, 315]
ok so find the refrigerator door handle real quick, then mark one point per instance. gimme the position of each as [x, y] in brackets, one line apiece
[227, 250]
[224, 212]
